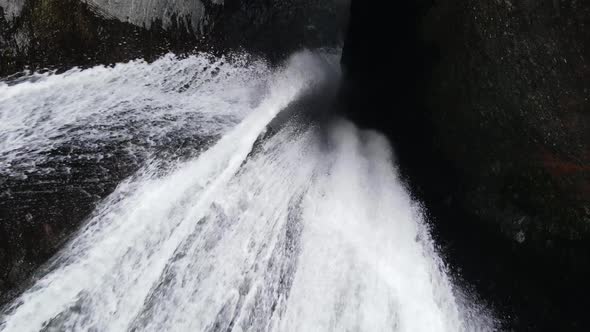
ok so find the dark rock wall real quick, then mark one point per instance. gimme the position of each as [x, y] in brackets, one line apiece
[277, 28]
[487, 105]
[509, 100]
[60, 34]
[510, 95]
[65, 33]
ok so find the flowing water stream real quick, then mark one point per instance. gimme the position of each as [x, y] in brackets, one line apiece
[304, 228]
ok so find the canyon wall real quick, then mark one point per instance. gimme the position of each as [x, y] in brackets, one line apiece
[509, 101]
[510, 97]
[37, 34]
[487, 104]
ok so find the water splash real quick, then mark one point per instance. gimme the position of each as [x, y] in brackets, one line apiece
[139, 107]
[310, 231]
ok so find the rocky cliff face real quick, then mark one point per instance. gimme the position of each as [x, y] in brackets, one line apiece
[488, 106]
[514, 78]
[62, 33]
[144, 13]
[65, 33]
[509, 99]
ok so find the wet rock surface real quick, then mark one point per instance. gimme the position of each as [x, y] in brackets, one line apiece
[487, 105]
[41, 207]
[59, 34]
[515, 77]
[509, 99]
[39, 210]
[189, 13]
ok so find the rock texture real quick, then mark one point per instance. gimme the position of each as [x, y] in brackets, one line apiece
[38, 34]
[510, 103]
[12, 8]
[512, 93]
[487, 103]
[144, 13]
[59, 34]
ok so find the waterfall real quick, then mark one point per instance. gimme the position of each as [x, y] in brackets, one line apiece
[303, 228]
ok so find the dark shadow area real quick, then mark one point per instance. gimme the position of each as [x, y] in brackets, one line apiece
[387, 69]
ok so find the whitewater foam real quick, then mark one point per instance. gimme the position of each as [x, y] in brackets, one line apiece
[310, 231]
[139, 107]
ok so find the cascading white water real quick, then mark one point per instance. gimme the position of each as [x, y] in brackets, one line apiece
[140, 107]
[311, 230]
